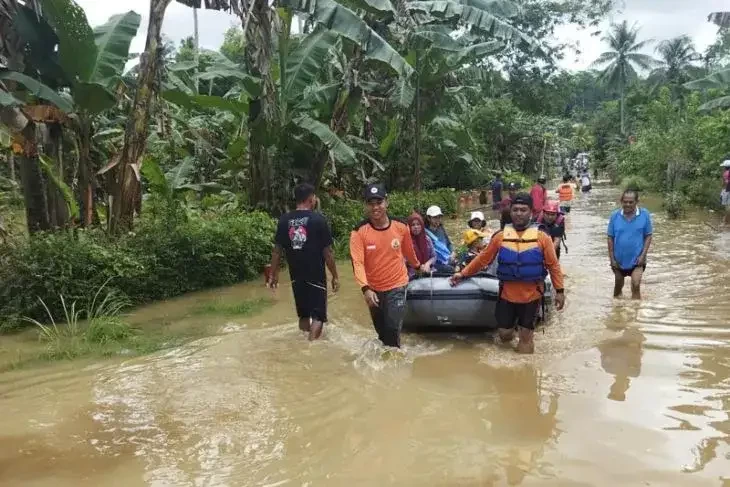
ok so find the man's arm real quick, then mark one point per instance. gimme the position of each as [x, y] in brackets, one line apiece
[484, 258]
[408, 251]
[551, 261]
[275, 266]
[611, 254]
[329, 259]
[357, 253]
[645, 250]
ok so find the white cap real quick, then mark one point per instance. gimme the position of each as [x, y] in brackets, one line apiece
[477, 215]
[434, 211]
[725, 163]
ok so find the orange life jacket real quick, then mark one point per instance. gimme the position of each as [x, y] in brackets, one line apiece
[565, 192]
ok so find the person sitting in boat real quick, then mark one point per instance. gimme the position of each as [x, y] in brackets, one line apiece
[421, 244]
[434, 225]
[475, 241]
[477, 221]
[552, 222]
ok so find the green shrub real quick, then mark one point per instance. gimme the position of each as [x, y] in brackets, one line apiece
[638, 183]
[703, 192]
[154, 262]
[674, 204]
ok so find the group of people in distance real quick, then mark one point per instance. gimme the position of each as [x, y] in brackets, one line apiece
[387, 252]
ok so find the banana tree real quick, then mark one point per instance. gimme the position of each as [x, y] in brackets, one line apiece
[716, 81]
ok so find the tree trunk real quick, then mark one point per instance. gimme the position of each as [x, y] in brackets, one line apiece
[34, 186]
[623, 101]
[86, 181]
[50, 136]
[126, 187]
[196, 52]
[262, 112]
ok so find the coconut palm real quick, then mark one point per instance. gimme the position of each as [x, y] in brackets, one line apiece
[622, 60]
[677, 57]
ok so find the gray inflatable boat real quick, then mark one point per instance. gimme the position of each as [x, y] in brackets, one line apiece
[432, 302]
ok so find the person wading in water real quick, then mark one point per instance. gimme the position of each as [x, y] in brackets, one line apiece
[539, 196]
[525, 255]
[305, 237]
[553, 223]
[629, 238]
[379, 247]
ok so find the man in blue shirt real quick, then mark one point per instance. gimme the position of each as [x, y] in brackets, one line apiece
[497, 186]
[629, 237]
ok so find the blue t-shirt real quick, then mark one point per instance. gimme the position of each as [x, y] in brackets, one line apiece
[628, 236]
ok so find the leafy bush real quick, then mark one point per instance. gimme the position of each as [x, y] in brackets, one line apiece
[638, 183]
[156, 262]
[674, 204]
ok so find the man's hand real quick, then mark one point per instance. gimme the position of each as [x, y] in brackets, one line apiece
[642, 261]
[371, 298]
[425, 268]
[456, 278]
[559, 301]
[614, 264]
[335, 284]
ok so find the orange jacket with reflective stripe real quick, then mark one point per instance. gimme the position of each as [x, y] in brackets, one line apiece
[565, 191]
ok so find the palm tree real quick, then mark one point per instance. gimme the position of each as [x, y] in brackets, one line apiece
[621, 61]
[676, 56]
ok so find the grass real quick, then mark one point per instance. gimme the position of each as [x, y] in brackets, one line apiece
[99, 331]
[241, 308]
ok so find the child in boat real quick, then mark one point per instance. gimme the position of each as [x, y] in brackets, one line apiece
[475, 241]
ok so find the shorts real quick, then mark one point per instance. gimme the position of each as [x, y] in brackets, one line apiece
[586, 189]
[510, 314]
[565, 209]
[310, 300]
[628, 272]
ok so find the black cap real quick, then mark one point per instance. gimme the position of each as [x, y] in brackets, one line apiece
[375, 191]
[522, 199]
[512, 186]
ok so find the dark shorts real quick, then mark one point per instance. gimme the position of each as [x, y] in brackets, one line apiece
[310, 300]
[565, 209]
[510, 314]
[628, 272]
[388, 316]
[586, 189]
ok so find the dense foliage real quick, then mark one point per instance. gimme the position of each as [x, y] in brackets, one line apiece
[157, 261]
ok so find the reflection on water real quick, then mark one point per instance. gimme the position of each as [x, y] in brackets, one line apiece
[618, 392]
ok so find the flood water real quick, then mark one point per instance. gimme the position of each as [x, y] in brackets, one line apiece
[618, 393]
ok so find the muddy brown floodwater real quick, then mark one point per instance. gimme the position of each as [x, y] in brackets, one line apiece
[618, 393]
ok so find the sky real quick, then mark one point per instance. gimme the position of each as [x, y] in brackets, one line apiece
[658, 20]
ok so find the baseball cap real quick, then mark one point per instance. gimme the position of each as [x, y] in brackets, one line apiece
[522, 199]
[512, 186]
[375, 192]
[471, 236]
[434, 211]
[541, 179]
[477, 215]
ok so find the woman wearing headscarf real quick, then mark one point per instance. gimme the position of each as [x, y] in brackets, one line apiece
[421, 244]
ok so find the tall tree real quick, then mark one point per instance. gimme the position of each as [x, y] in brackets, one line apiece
[622, 61]
[127, 187]
[677, 57]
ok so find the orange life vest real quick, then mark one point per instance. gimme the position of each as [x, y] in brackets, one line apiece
[565, 191]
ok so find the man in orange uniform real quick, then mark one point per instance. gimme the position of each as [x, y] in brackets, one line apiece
[524, 254]
[378, 246]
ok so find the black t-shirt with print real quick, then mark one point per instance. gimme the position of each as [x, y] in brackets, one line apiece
[304, 235]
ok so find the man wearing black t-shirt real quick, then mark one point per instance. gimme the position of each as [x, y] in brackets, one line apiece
[306, 239]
